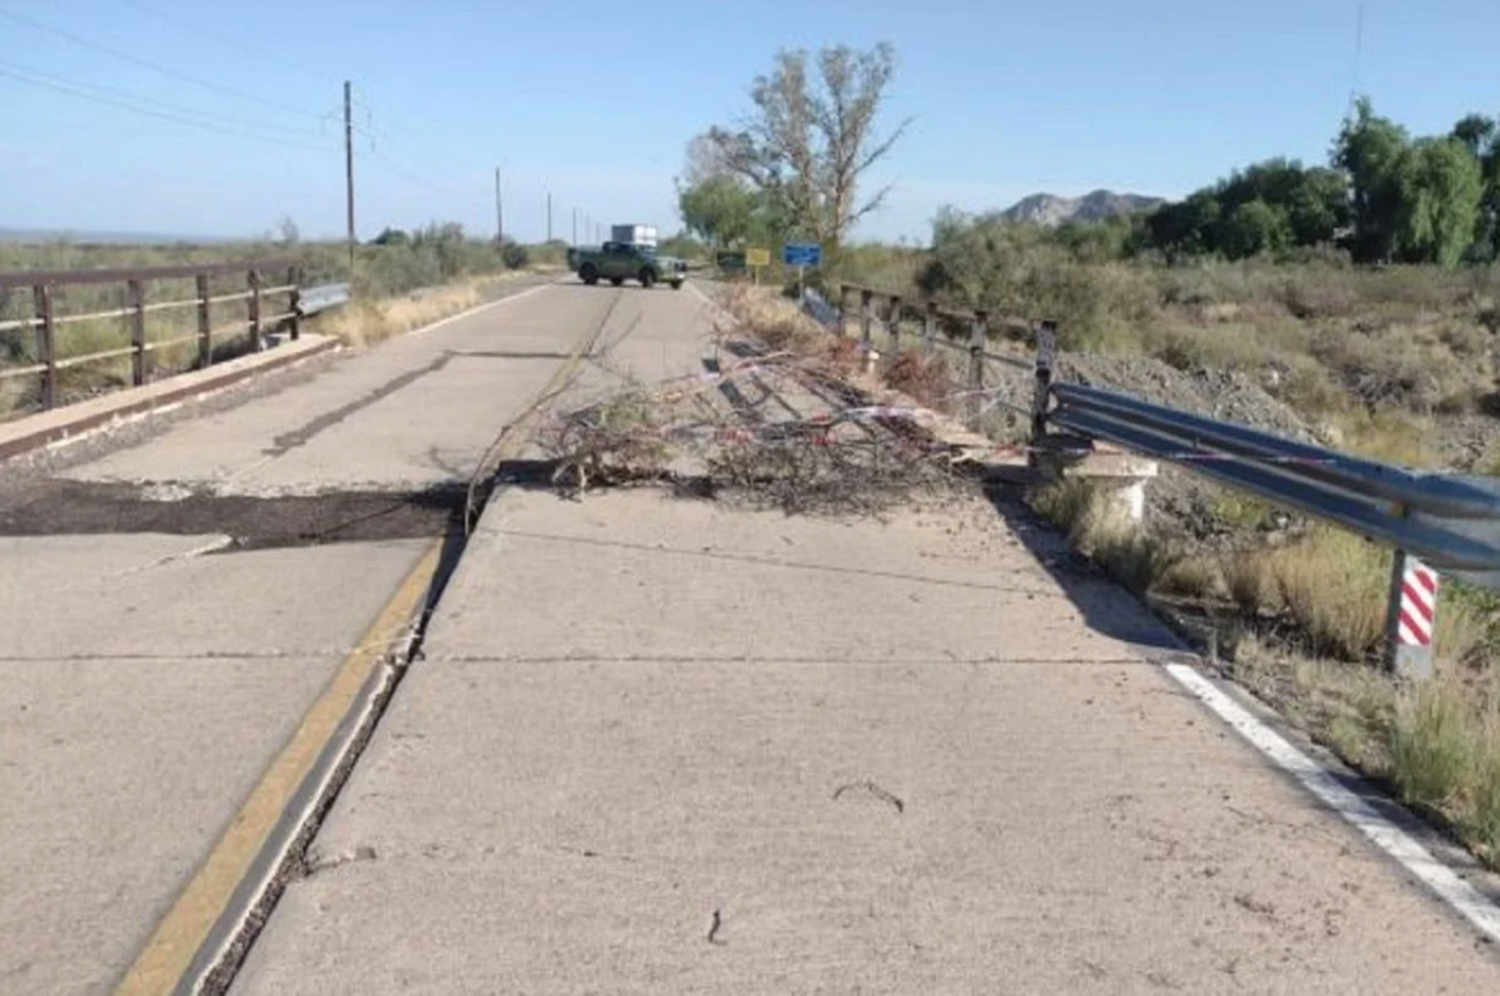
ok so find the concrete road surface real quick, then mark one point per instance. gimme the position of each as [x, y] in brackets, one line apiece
[148, 678]
[657, 745]
[654, 745]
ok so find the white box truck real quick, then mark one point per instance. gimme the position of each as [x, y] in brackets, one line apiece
[636, 235]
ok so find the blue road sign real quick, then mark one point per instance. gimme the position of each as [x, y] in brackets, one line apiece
[802, 254]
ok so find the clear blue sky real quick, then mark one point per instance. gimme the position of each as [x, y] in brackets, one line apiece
[596, 101]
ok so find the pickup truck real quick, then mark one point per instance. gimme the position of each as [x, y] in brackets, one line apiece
[618, 262]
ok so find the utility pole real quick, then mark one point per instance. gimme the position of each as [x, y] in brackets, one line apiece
[499, 211]
[549, 216]
[575, 226]
[349, 166]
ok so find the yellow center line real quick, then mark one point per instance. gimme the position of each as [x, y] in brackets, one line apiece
[171, 949]
[170, 952]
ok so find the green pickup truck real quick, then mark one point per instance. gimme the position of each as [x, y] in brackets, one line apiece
[618, 262]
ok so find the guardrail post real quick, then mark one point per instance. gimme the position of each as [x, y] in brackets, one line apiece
[205, 330]
[929, 327]
[46, 342]
[294, 302]
[978, 339]
[256, 343]
[1046, 351]
[137, 291]
[866, 316]
[895, 325]
[1411, 619]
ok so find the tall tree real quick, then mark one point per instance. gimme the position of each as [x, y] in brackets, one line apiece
[812, 138]
[1374, 152]
[1441, 188]
[719, 209]
[1481, 136]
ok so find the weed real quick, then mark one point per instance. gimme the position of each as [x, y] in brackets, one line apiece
[1334, 588]
[1431, 745]
[1486, 795]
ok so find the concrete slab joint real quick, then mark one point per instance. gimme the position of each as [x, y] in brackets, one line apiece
[1118, 478]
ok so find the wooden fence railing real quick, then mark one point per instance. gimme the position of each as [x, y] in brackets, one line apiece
[266, 297]
[962, 331]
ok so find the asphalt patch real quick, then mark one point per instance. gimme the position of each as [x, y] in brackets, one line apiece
[61, 507]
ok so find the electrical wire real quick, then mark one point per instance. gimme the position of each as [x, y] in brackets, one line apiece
[259, 56]
[217, 119]
[32, 22]
[139, 105]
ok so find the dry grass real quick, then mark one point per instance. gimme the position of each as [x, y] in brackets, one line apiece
[927, 379]
[364, 323]
[1333, 586]
[1131, 556]
[1438, 745]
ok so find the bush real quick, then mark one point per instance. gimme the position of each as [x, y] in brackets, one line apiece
[514, 255]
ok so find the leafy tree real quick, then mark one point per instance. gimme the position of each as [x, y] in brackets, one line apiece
[391, 237]
[1318, 210]
[1374, 152]
[810, 139]
[1187, 227]
[1481, 136]
[1255, 228]
[1441, 187]
[720, 209]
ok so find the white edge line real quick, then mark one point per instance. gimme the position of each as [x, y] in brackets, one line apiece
[1443, 881]
[475, 310]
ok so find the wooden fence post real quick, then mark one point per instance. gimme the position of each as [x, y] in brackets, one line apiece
[205, 329]
[294, 302]
[1046, 349]
[929, 327]
[895, 325]
[866, 315]
[256, 343]
[978, 340]
[137, 295]
[46, 342]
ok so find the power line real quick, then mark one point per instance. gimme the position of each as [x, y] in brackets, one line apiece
[239, 46]
[180, 110]
[153, 66]
[138, 105]
[391, 166]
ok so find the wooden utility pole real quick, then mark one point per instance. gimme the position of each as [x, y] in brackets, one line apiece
[549, 216]
[499, 211]
[349, 167]
[575, 226]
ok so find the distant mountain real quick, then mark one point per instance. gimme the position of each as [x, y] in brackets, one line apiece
[1046, 209]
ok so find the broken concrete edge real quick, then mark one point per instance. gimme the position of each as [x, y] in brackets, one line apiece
[74, 423]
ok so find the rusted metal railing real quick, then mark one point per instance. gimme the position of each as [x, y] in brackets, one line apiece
[50, 324]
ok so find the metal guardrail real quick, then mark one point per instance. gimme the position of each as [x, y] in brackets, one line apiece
[1449, 522]
[322, 298]
[1402, 509]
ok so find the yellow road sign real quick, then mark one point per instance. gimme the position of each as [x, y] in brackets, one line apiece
[757, 257]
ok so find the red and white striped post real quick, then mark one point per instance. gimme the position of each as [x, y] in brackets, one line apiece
[1412, 623]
